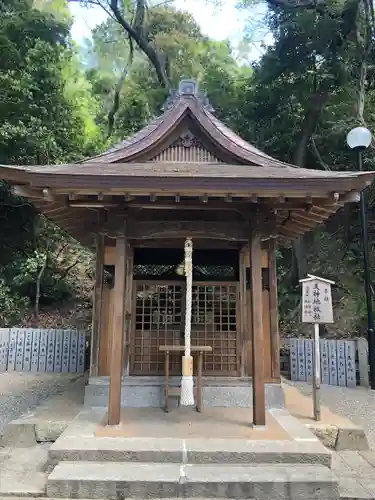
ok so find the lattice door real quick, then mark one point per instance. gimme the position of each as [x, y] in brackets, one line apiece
[159, 320]
[214, 324]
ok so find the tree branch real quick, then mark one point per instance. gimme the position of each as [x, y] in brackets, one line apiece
[120, 84]
[298, 4]
[69, 268]
[137, 34]
[318, 155]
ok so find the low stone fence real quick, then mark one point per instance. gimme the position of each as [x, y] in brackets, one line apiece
[40, 350]
[343, 362]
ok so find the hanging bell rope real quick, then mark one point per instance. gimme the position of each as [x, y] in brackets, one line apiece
[187, 383]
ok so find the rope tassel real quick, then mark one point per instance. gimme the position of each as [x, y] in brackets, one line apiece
[187, 383]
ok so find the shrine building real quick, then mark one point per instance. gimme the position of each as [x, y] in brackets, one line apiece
[185, 175]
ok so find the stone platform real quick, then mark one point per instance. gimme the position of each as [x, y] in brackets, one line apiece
[295, 466]
[141, 392]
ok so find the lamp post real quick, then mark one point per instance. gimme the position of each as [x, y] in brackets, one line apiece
[359, 139]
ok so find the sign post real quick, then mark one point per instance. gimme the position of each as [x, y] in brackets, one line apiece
[316, 309]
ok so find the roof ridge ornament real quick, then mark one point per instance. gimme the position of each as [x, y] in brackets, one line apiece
[187, 87]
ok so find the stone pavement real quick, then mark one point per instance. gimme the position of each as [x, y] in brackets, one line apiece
[334, 430]
[356, 404]
[48, 420]
[356, 473]
[23, 471]
[21, 392]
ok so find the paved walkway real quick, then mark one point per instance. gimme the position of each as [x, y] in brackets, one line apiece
[23, 471]
[21, 392]
[356, 473]
[357, 405]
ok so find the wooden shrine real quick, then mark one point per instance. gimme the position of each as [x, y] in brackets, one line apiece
[186, 174]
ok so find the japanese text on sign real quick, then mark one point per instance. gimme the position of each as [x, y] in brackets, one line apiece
[316, 302]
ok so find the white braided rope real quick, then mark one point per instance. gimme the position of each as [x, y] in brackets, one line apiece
[187, 383]
[189, 292]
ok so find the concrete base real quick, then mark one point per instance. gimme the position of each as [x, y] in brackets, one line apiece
[113, 480]
[139, 392]
[165, 467]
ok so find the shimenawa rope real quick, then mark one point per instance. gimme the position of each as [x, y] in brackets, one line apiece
[187, 383]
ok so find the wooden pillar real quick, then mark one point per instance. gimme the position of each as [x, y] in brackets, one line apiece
[128, 308]
[259, 411]
[274, 317]
[98, 299]
[117, 344]
[245, 326]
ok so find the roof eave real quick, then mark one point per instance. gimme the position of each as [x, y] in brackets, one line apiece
[209, 184]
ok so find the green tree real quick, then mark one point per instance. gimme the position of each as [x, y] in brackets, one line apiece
[47, 115]
[190, 55]
[307, 91]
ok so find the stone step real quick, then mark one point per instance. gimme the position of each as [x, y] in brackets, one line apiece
[151, 480]
[193, 451]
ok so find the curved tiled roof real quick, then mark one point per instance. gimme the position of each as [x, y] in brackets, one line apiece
[187, 105]
[243, 172]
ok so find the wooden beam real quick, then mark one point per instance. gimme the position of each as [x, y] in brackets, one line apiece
[303, 224]
[139, 230]
[274, 317]
[98, 300]
[204, 204]
[93, 204]
[259, 403]
[63, 217]
[350, 197]
[288, 231]
[328, 210]
[26, 192]
[49, 212]
[318, 219]
[200, 243]
[47, 194]
[115, 372]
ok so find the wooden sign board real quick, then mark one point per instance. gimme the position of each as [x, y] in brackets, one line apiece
[316, 300]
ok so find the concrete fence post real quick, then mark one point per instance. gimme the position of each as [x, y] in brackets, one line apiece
[362, 347]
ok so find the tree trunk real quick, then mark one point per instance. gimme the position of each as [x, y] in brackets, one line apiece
[37, 294]
[312, 114]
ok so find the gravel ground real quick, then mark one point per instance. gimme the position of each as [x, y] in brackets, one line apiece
[21, 392]
[358, 405]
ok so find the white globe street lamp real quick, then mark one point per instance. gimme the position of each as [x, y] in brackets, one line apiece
[359, 139]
